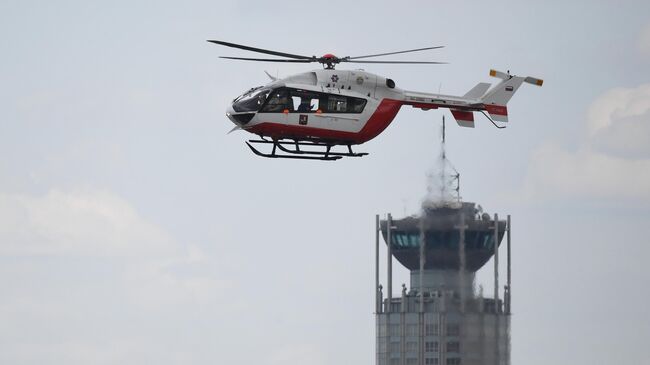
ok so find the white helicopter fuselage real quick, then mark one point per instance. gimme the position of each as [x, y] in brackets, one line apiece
[353, 106]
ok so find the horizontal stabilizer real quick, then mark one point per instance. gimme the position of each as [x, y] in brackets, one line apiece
[463, 118]
[477, 91]
[534, 81]
[499, 74]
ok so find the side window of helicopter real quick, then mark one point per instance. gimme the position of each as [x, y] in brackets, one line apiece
[356, 105]
[344, 104]
[337, 104]
[315, 105]
[305, 101]
[278, 101]
[297, 103]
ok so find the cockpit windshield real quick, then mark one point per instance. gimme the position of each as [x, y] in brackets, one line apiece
[251, 101]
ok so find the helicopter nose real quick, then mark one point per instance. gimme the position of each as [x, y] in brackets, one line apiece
[229, 113]
[239, 118]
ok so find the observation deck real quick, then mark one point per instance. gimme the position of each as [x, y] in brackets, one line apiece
[440, 228]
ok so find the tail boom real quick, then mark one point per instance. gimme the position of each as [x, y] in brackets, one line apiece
[492, 101]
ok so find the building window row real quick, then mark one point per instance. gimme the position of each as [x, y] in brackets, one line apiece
[413, 361]
[431, 330]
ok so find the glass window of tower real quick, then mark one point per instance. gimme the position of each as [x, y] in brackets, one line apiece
[431, 329]
[453, 346]
[431, 346]
[411, 346]
[431, 361]
[393, 330]
[411, 330]
[453, 329]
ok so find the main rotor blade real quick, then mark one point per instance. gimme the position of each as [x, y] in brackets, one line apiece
[260, 50]
[403, 62]
[267, 59]
[391, 53]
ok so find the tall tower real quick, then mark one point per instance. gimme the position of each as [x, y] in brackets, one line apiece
[442, 319]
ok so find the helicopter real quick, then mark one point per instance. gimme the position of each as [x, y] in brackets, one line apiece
[303, 116]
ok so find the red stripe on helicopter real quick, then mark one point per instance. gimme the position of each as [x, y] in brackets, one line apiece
[462, 115]
[424, 106]
[378, 121]
[496, 109]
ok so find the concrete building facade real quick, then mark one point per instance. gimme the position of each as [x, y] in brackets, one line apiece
[442, 318]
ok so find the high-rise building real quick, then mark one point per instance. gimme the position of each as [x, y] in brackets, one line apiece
[441, 318]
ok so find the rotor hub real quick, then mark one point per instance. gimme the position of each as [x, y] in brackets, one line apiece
[329, 60]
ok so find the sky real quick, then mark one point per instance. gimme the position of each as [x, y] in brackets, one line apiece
[134, 230]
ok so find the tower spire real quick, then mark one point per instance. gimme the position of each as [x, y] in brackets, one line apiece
[444, 181]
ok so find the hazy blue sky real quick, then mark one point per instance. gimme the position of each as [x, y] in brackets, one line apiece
[134, 230]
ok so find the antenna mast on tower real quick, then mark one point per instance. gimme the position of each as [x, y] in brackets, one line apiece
[448, 180]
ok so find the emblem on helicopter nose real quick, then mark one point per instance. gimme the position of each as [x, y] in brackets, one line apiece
[335, 78]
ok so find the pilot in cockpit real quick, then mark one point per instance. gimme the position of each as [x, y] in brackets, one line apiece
[305, 105]
[279, 102]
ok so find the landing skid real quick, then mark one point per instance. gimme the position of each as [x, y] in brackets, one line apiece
[297, 153]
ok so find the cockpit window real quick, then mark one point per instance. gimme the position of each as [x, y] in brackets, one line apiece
[251, 101]
[279, 100]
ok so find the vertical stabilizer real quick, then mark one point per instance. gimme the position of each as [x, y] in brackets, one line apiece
[496, 99]
[463, 118]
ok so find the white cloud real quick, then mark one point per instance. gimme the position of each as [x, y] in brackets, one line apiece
[615, 105]
[100, 224]
[612, 162]
[556, 172]
[86, 223]
[627, 137]
[81, 265]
